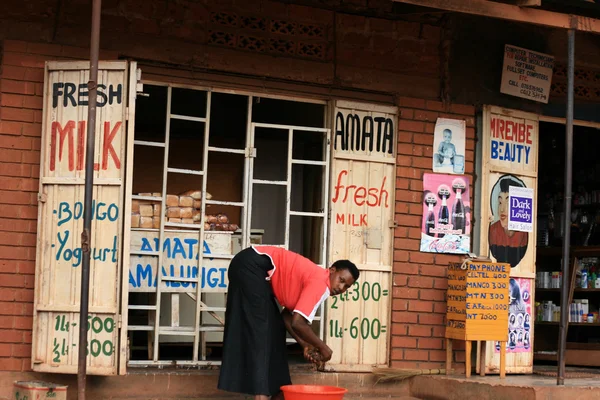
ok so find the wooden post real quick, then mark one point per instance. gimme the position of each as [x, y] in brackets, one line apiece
[502, 360]
[448, 355]
[468, 358]
[482, 358]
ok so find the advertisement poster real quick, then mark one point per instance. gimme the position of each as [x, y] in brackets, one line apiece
[446, 224]
[506, 245]
[449, 141]
[520, 216]
[519, 317]
[527, 74]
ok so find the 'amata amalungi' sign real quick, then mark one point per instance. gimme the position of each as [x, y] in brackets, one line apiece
[527, 74]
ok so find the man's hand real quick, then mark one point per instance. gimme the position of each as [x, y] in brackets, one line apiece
[326, 353]
[309, 354]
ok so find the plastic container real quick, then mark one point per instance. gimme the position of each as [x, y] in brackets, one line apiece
[313, 392]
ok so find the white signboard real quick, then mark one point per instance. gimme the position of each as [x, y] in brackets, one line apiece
[526, 74]
[520, 216]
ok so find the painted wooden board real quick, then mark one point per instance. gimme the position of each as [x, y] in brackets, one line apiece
[362, 207]
[510, 158]
[60, 221]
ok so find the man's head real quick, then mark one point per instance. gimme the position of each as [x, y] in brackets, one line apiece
[342, 274]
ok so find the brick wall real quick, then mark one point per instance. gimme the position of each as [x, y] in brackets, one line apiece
[420, 283]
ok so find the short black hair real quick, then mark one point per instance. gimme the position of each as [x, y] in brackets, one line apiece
[348, 265]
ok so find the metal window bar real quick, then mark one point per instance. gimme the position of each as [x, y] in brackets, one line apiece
[288, 183]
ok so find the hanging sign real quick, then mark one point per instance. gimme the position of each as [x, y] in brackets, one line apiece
[477, 301]
[520, 215]
[446, 214]
[527, 74]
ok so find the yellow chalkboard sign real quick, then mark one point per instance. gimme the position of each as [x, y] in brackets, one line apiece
[477, 301]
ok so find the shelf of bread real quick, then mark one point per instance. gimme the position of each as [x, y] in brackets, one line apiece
[182, 208]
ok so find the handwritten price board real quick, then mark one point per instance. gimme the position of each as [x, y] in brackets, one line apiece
[477, 301]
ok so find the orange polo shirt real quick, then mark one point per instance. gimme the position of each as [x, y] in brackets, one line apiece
[298, 283]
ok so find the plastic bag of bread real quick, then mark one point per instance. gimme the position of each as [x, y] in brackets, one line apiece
[233, 227]
[196, 194]
[172, 200]
[211, 219]
[186, 212]
[186, 201]
[222, 219]
[174, 212]
[197, 216]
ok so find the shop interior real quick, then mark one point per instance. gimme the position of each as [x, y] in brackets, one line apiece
[583, 339]
[257, 187]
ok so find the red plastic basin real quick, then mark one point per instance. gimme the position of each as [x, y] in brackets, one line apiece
[313, 392]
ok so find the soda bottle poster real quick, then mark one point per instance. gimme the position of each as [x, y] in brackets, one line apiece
[446, 224]
[520, 322]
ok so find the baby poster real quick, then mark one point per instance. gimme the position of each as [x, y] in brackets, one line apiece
[519, 317]
[446, 223]
[449, 140]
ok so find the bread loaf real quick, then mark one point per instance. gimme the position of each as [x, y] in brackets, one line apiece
[135, 220]
[173, 212]
[194, 194]
[172, 200]
[187, 212]
[156, 208]
[145, 194]
[186, 201]
[175, 220]
[135, 206]
[233, 227]
[156, 222]
[206, 226]
[198, 204]
[222, 219]
[187, 220]
[146, 222]
[156, 194]
[146, 210]
[197, 216]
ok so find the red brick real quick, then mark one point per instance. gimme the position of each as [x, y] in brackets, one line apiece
[26, 267]
[407, 172]
[434, 270]
[421, 258]
[411, 126]
[416, 355]
[435, 295]
[405, 137]
[399, 305]
[400, 280]
[431, 319]
[18, 211]
[400, 255]
[397, 354]
[411, 102]
[420, 282]
[404, 317]
[404, 160]
[33, 129]
[24, 323]
[404, 342]
[406, 113]
[437, 355]
[414, 233]
[406, 268]
[24, 295]
[435, 106]
[417, 150]
[31, 157]
[12, 253]
[401, 183]
[416, 209]
[407, 244]
[26, 364]
[419, 331]
[423, 115]
[405, 148]
[420, 306]
[10, 336]
[408, 196]
[430, 128]
[19, 87]
[438, 331]
[6, 321]
[416, 185]
[14, 142]
[11, 280]
[441, 283]
[424, 138]
[399, 329]
[13, 72]
[21, 350]
[27, 336]
[20, 170]
[15, 225]
[10, 128]
[11, 364]
[401, 208]
[427, 343]
[34, 74]
[6, 349]
[422, 162]
[462, 109]
[470, 133]
[10, 155]
[406, 293]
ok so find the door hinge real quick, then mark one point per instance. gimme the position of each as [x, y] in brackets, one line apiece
[42, 197]
[120, 322]
[393, 224]
[250, 152]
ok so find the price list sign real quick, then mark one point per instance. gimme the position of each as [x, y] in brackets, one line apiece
[477, 301]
